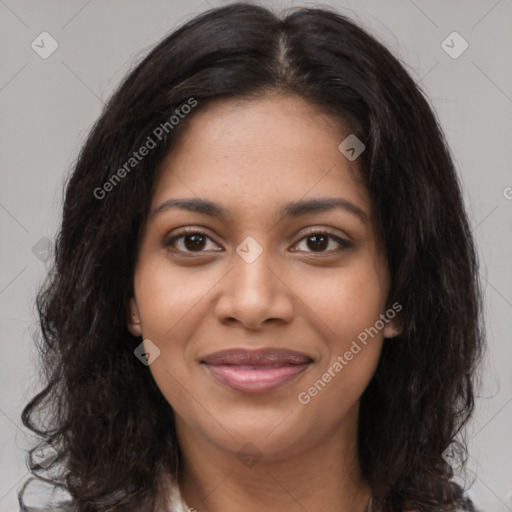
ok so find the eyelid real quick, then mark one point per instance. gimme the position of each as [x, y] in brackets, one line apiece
[326, 231]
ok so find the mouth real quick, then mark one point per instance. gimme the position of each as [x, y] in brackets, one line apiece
[256, 371]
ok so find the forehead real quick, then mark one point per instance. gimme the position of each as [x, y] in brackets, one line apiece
[260, 154]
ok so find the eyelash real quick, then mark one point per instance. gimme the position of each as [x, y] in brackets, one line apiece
[343, 244]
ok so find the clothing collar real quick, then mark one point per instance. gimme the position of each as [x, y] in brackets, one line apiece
[177, 502]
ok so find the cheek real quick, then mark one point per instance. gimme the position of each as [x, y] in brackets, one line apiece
[345, 302]
[348, 305]
[352, 349]
[168, 299]
[170, 305]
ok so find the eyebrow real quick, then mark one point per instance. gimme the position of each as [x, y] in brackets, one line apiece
[290, 209]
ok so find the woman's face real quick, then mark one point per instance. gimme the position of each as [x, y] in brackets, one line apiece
[268, 273]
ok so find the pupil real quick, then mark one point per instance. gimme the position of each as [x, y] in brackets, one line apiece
[320, 241]
[196, 244]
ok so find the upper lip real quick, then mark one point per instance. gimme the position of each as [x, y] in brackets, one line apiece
[259, 357]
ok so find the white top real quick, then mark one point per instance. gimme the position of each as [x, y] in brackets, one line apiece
[176, 504]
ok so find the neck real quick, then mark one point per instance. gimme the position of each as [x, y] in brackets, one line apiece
[324, 476]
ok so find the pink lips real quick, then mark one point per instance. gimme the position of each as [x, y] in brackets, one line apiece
[256, 371]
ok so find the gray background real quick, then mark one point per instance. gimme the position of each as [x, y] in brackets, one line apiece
[48, 105]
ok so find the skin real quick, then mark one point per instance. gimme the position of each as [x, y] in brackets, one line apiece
[252, 157]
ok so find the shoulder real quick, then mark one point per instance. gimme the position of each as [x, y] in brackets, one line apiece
[61, 507]
[466, 505]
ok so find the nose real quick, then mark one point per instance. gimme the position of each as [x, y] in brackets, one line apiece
[254, 293]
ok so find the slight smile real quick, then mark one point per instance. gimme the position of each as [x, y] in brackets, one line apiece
[256, 371]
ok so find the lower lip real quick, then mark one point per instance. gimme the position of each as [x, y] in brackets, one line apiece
[255, 379]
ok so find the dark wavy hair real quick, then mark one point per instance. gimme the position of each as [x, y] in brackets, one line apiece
[103, 413]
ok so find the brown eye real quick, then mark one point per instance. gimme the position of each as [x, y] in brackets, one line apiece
[189, 241]
[319, 241]
[193, 242]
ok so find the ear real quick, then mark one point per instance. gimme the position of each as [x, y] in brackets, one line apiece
[134, 323]
[394, 327]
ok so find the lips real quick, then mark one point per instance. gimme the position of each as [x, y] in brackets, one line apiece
[261, 357]
[256, 371]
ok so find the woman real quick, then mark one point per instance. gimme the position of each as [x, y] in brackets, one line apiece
[265, 293]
